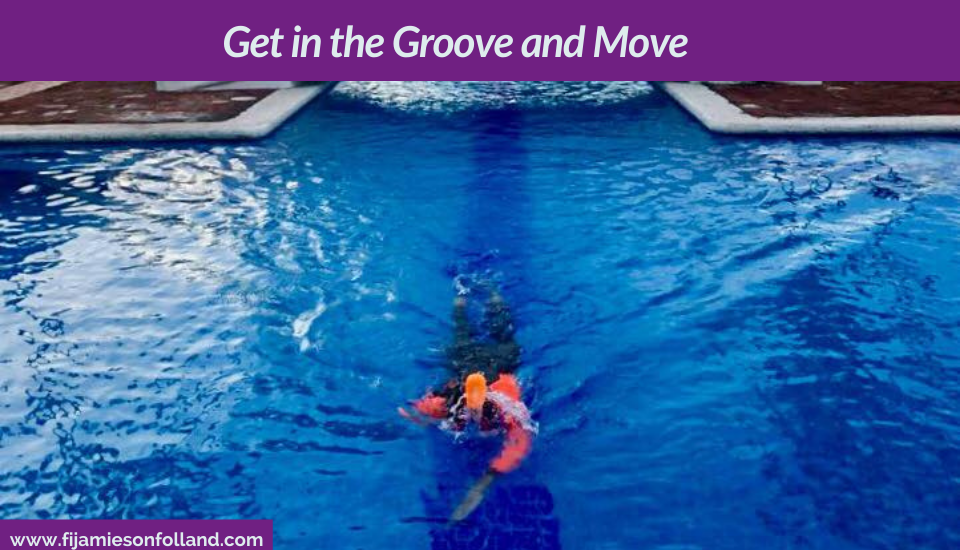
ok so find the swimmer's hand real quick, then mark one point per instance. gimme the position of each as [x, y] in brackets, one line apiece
[474, 497]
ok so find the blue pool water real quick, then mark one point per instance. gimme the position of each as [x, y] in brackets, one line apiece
[728, 343]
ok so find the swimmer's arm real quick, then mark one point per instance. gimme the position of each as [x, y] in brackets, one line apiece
[516, 446]
[474, 496]
[429, 407]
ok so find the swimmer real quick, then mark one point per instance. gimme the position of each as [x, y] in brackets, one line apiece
[467, 398]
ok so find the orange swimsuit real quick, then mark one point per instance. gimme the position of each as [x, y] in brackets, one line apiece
[516, 444]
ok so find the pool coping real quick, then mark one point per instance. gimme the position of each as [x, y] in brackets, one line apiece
[719, 115]
[261, 119]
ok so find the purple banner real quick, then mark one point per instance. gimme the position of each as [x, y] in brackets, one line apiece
[72, 534]
[732, 40]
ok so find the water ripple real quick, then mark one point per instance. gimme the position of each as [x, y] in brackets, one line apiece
[727, 343]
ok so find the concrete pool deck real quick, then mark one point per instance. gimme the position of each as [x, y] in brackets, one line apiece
[61, 111]
[827, 108]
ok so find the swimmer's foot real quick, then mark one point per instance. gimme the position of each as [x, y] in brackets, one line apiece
[460, 302]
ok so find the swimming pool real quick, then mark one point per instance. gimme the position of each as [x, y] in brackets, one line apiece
[728, 343]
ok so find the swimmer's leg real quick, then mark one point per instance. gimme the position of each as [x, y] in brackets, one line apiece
[499, 324]
[460, 351]
[498, 320]
[461, 325]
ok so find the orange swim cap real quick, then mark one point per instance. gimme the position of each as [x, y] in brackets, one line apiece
[475, 390]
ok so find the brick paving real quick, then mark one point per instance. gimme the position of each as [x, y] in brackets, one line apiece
[844, 99]
[102, 102]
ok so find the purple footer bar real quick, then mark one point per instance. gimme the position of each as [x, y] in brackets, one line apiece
[67, 533]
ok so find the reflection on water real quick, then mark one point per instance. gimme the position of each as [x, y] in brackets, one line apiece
[487, 97]
[729, 343]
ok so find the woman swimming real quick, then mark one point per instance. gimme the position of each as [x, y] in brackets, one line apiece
[468, 399]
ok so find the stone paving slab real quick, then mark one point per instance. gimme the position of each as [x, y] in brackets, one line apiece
[15, 90]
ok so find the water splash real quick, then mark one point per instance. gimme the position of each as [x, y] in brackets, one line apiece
[514, 409]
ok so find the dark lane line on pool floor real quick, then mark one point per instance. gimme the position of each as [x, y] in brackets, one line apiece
[518, 512]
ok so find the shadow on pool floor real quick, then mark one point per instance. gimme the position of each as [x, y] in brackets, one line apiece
[512, 517]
